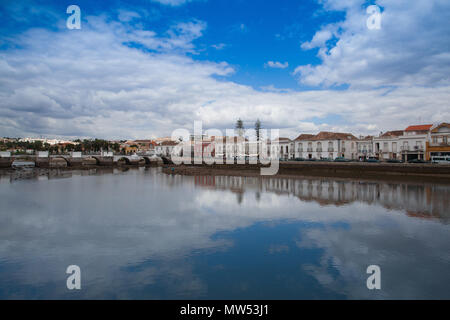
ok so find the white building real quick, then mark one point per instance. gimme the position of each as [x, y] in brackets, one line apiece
[329, 145]
[405, 144]
[364, 147]
[387, 145]
[165, 148]
[285, 148]
[413, 142]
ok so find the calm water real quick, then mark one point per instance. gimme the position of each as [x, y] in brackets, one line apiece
[141, 234]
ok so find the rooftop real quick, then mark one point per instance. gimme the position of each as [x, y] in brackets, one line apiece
[394, 133]
[420, 127]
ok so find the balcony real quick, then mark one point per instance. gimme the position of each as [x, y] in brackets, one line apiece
[411, 149]
[439, 144]
[319, 150]
[330, 149]
[309, 149]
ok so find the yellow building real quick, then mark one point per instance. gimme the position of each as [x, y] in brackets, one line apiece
[439, 144]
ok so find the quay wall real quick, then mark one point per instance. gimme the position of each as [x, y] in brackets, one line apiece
[354, 170]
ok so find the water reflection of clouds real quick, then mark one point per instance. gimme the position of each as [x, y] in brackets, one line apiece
[413, 255]
[138, 230]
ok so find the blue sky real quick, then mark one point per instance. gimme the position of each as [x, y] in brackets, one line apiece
[246, 34]
[144, 68]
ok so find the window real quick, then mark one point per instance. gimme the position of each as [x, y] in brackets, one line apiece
[405, 145]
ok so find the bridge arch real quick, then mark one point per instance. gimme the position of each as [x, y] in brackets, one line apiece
[127, 161]
[97, 160]
[166, 160]
[62, 157]
[147, 160]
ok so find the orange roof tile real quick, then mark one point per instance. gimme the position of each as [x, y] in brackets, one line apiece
[325, 135]
[421, 127]
[304, 136]
[395, 133]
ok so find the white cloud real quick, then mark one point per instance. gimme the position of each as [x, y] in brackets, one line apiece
[127, 16]
[319, 39]
[173, 3]
[276, 64]
[410, 49]
[219, 46]
[96, 83]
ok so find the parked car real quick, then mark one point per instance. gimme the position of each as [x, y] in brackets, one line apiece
[417, 161]
[341, 159]
[394, 161]
[374, 160]
[299, 159]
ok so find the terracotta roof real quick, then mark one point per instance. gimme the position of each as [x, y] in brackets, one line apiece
[444, 124]
[325, 135]
[280, 139]
[395, 133]
[421, 127]
[304, 136]
[168, 143]
[144, 141]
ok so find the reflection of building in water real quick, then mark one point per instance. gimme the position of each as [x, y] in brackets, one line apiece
[205, 181]
[418, 200]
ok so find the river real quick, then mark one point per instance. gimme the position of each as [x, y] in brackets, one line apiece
[142, 234]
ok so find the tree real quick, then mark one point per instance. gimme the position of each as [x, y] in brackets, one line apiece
[257, 129]
[240, 127]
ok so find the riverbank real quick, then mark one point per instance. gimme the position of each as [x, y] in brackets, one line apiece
[395, 172]
[353, 170]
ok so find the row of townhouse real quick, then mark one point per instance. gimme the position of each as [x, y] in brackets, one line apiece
[330, 145]
[415, 142]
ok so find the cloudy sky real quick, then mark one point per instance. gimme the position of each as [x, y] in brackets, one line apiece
[142, 68]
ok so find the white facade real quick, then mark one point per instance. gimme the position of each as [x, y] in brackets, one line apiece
[326, 145]
[165, 148]
[365, 148]
[387, 146]
[412, 144]
[403, 145]
[285, 149]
